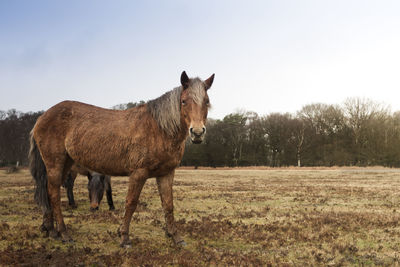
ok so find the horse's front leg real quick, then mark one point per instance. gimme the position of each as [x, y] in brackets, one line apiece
[164, 185]
[136, 182]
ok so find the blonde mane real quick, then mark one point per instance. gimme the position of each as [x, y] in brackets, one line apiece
[166, 108]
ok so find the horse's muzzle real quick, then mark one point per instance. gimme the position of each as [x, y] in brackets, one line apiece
[94, 209]
[94, 206]
[197, 134]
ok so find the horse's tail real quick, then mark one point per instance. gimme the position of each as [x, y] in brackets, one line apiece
[39, 173]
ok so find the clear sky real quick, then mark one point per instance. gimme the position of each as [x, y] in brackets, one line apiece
[268, 56]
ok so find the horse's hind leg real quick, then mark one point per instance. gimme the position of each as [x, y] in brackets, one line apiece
[56, 173]
[47, 226]
[164, 185]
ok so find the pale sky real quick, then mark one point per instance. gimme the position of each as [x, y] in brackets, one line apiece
[267, 56]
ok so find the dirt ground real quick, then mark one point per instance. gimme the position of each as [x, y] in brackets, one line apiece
[251, 217]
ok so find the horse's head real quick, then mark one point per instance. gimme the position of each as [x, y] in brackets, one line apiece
[194, 105]
[96, 190]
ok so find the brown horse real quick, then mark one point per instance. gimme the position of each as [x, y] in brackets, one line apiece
[142, 142]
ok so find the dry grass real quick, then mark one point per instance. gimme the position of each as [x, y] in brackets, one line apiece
[280, 217]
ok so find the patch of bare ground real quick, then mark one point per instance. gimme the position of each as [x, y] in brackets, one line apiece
[263, 216]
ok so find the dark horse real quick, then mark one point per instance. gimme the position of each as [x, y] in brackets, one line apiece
[142, 142]
[97, 183]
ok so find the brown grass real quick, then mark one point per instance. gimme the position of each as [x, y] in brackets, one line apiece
[281, 217]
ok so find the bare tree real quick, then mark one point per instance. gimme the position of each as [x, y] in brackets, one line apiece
[298, 133]
[361, 115]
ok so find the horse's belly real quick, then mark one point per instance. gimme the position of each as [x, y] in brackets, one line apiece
[101, 158]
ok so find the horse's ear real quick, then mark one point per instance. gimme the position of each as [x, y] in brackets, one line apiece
[209, 81]
[184, 80]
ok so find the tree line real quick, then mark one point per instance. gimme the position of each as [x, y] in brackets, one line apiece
[359, 132]
[15, 127]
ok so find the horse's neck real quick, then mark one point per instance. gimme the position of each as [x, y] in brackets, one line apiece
[182, 133]
[178, 138]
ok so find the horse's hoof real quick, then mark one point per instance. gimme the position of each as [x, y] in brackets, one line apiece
[54, 234]
[45, 234]
[43, 229]
[181, 243]
[112, 208]
[125, 243]
[65, 238]
[73, 206]
[178, 240]
[68, 240]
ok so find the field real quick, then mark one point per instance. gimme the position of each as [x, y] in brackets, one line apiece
[278, 217]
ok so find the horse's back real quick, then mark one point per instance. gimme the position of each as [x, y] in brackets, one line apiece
[75, 110]
[61, 114]
[68, 115]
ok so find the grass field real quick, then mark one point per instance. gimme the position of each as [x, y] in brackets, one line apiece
[281, 217]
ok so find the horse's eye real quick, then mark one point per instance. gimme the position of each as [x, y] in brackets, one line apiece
[183, 102]
[207, 102]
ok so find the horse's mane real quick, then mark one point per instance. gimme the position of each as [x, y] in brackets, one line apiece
[166, 108]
